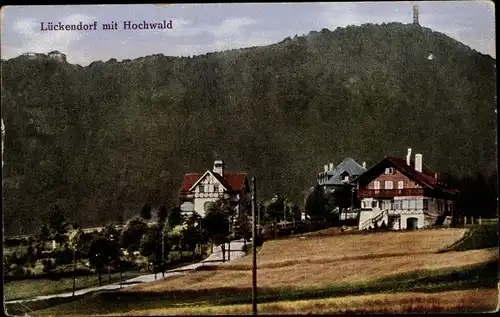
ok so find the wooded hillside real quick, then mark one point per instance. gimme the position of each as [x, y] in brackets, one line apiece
[102, 140]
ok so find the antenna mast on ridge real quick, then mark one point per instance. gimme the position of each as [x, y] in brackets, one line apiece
[415, 14]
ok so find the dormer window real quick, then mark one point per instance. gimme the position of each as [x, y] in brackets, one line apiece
[216, 188]
[202, 188]
[344, 177]
[389, 171]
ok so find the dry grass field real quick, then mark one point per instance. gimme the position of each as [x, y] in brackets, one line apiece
[481, 300]
[317, 262]
[392, 272]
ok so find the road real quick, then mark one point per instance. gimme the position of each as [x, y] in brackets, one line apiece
[214, 259]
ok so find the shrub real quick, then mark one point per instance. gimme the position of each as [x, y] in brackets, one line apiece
[478, 237]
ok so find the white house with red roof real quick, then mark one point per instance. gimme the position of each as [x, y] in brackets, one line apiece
[199, 190]
[403, 194]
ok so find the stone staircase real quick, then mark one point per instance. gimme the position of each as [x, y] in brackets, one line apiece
[377, 219]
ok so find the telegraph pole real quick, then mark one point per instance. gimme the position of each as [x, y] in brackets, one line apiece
[229, 240]
[165, 225]
[284, 212]
[163, 252]
[259, 207]
[254, 247]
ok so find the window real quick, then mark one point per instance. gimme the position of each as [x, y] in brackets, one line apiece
[400, 185]
[202, 188]
[374, 204]
[388, 184]
[398, 204]
[376, 185]
[389, 170]
[405, 204]
[412, 204]
[216, 188]
[419, 204]
[386, 204]
[206, 206]
[426, 204]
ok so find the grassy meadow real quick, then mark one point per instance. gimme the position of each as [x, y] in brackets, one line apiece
[29, 288]
[412, 271]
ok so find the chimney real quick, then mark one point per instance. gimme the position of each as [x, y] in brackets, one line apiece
[408, 157]
[364, 165]
[219, 167]
[331, 166]
[326, 168]
[418, 162]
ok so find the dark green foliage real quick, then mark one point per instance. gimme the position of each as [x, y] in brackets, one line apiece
[103, 252]
[57, 224]
[478, 195]
[162, 214]
[111, 233]
[316, 204]
[216, 222]
[48, 265]
[192, 233]
[151, 246]
[104, 138]
[131, 237]
[146, 212]
[243, 226]
[63, 256]
[479, 237]
[175, 217]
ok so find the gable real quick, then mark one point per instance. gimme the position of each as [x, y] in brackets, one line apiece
[347, 167]
[396, 177]
[398, 164]
[209, 179]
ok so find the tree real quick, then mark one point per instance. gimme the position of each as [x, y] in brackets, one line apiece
[110, 232]
[103, 252]
[152, 246]
[131, 237]
[146, 212]
[243, 226]
[316, 204]
[76, 243]
[42, 237]
[216, 223]
[274, 210]
[162, 214]
[175, 217]
[58, 224]
[191, 233]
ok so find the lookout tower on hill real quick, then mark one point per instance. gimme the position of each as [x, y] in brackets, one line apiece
[415, 15]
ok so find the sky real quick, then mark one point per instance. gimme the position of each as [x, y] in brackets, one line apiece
[202, 28]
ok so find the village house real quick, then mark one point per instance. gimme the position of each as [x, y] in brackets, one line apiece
[403, 194]
[342, 175]
[342, 178]
[199, 190]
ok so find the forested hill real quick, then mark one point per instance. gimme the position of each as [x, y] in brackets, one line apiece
[102, 140]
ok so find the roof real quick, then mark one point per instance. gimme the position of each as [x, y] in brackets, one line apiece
[232, 181]
[426, 178]
[348, 165]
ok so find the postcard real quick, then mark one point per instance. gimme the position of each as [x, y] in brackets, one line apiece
[252, 158]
